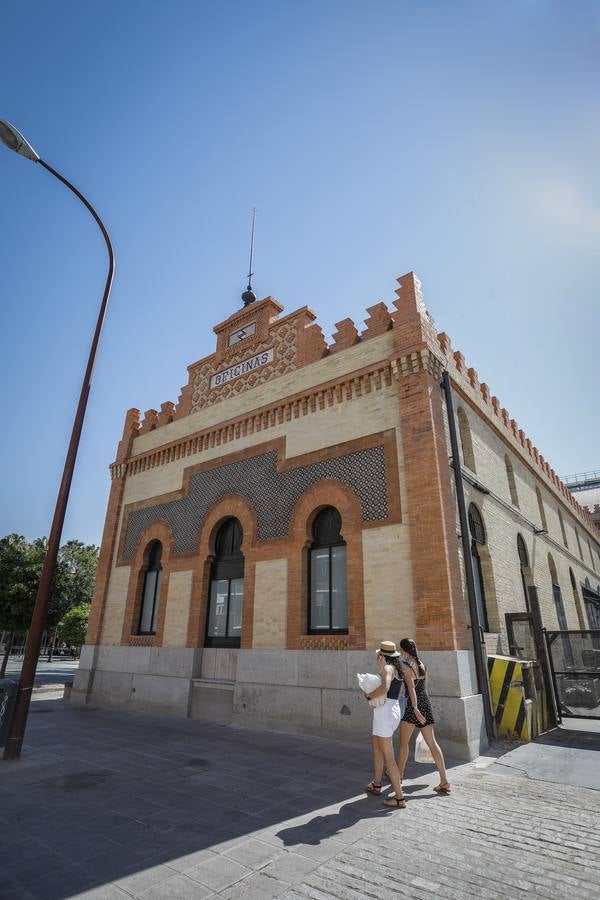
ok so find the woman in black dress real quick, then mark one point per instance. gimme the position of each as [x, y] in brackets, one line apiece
[418, 714]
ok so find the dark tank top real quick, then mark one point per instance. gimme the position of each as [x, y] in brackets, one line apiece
[395, 688]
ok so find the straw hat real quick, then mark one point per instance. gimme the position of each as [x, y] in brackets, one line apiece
[388, 648]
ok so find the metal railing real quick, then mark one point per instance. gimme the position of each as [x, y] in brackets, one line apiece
[583, 481]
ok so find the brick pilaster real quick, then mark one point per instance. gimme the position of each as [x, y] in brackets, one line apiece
[438, 596]
[111, 525]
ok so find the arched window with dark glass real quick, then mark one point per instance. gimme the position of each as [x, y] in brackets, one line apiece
[578, 606]
[557, 596]
[524, 564]
[328, 589]
[561, 615]
[226, 590]
[477, 529]
[466, 441]
[151, 590]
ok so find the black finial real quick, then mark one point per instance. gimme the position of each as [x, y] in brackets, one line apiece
[249, 296]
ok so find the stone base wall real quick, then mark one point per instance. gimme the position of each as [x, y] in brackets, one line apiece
[309, 692]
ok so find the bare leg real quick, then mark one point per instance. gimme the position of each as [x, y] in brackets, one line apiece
[377, 760]
[387, 748]
[406, 729]
[436, 752]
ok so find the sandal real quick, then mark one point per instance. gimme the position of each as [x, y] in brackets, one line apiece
[395, 802]
[443, 788]
[373, 788]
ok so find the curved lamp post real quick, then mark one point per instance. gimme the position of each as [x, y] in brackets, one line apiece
[14, 140]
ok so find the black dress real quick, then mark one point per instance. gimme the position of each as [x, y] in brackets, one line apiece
[423, 703]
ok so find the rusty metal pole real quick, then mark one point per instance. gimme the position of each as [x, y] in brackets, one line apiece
[38, 620]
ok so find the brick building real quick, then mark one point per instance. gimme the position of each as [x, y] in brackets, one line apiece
[297, 505]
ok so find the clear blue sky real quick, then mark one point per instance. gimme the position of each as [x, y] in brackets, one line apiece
[458, 139]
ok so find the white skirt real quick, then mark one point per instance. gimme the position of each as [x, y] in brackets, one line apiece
[386, 718]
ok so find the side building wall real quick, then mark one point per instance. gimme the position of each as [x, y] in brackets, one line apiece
[518, 495]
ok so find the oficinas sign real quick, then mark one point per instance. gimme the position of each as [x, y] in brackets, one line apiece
[242, 368]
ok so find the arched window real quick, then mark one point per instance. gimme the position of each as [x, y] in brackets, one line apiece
[562, 528]
[587, 582]
[579, 544]
[578, 606]
[465, 439]
[328, 592]
[477, 529]
[557, 596]
[524, 564]
[226, 592]
[151, 590]
[512, 485]
[541, 509]
[591, 555]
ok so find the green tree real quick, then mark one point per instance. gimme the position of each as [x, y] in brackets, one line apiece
[20, 570]
[74, 625]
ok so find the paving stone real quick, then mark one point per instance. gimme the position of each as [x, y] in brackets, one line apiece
[253, 853]
[256, 887]
[178, 887]
[140, 881]
[103, 892]
[291, 867]
[190, 860]
[218, 873]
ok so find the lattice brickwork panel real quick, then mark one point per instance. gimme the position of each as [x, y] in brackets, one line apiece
[272, 495]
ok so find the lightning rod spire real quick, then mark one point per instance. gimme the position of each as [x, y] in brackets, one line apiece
[249, 296]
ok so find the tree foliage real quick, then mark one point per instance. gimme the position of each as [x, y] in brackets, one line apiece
[74, 625]
[20, 570]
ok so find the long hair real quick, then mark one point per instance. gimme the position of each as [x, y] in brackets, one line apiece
[410, 647]
[396, 662]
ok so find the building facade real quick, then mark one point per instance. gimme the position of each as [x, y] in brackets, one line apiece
[296, 506]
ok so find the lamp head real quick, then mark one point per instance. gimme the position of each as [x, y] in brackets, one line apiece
[14, 140]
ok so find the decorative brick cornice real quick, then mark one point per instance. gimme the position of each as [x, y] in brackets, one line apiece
[329, 394]
[421, 361]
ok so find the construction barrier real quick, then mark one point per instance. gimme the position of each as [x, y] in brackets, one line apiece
[518, 697]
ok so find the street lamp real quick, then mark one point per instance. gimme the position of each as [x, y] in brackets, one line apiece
[14, 140]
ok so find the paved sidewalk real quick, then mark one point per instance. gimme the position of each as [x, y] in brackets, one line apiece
[109, 805]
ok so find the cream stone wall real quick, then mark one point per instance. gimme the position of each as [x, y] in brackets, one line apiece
[371, 413]
[114, 610]
[389, 601]
[359, 417]
[314, 374]
[504, 521]
[178, 609]
[270, 604]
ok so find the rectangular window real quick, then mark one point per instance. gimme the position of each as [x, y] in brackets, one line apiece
[226, 603]
[560, 608]
[152, 582]
[217, 619]
[339, 593]
[236, 603]
[328, 590]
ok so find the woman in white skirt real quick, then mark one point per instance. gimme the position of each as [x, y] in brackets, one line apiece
[386, 720]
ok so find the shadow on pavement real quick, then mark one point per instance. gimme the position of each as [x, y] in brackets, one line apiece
[568, 737]
[105, 802]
